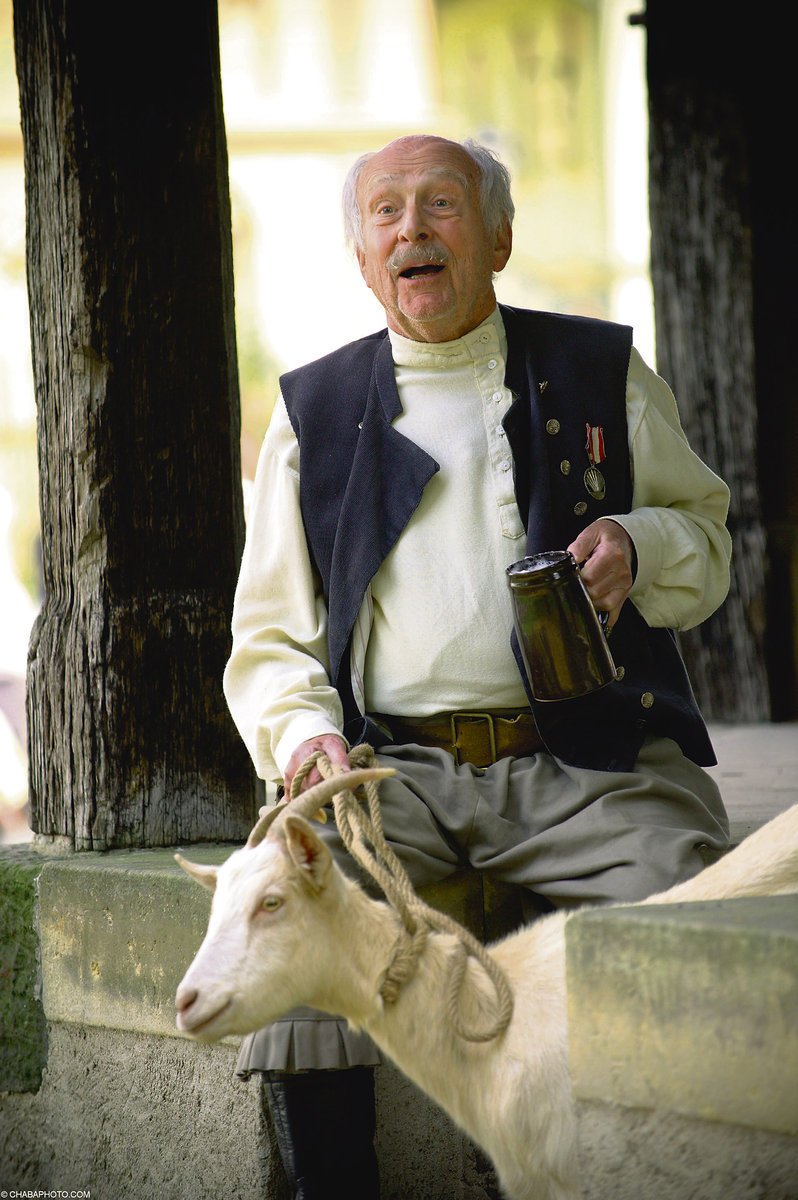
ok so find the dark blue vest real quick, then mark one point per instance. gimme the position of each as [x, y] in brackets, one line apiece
[361, 481]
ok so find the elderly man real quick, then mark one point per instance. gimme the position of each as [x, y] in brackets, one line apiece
[399, 477]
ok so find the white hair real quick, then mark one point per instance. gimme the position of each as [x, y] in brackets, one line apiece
[495, 200]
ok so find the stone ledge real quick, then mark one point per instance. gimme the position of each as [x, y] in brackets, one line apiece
[94, 939]
[651, 1026]
[117, 932]
[690, 1009]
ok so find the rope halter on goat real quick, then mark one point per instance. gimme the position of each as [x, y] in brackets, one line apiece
[362, 834]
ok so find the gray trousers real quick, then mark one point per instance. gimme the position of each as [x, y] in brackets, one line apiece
[570, 835]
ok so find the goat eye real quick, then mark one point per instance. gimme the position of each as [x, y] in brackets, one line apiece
[271, 903]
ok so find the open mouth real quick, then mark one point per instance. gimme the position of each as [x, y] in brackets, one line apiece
[425, 269]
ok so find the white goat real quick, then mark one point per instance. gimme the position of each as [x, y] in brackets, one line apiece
[288, 928]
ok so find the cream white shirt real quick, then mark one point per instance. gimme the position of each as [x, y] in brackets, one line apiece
[433, 632]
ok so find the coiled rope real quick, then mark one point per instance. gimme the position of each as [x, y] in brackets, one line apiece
[362, 833]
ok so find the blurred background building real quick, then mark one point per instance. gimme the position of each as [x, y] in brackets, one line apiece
[557, 87]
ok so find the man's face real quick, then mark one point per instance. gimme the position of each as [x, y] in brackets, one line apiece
[426, 253]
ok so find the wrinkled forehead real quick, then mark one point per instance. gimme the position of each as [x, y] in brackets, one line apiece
[410, 161]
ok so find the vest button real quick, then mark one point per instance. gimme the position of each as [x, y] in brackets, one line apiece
[553, 426]
[565, 467]
[619, 674]
[647, 699]
[581, 508]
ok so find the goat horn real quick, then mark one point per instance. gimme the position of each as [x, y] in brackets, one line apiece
[259, 830]
[307, 803]
[320, 794]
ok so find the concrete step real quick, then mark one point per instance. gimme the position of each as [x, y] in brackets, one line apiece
[683, 1036]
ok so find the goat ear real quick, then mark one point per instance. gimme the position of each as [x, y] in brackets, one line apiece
[307, 851]
[202, 874]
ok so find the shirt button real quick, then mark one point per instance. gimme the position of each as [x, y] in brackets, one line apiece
[500, 432]
[505, 466]
[580, 509]
[483, 337]
[647, 699]
[553, 426]
[491, 363]
[565, 467]
[497, 396]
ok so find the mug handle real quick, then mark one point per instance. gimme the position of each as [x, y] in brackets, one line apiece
[604, 617]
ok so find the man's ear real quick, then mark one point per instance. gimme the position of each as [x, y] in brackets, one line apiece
[361, 262]
[308, 851]
[503, 245]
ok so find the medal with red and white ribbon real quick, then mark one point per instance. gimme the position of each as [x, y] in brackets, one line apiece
[596, 453]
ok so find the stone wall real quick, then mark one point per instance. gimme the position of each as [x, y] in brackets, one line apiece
[683, 1035]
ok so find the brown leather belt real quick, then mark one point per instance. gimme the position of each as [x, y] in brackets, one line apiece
[479, 738]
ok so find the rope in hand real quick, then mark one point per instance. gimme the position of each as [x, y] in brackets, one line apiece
[362, 833]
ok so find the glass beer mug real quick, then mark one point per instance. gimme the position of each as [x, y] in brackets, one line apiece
[562, 638]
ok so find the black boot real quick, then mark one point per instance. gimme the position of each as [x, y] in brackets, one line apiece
[325, 1123]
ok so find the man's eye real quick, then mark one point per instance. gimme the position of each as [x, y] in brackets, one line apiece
[385, 210]
[271, 903]
[441, 202]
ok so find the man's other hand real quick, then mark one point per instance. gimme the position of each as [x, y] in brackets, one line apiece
[330, 744]
[607, 552]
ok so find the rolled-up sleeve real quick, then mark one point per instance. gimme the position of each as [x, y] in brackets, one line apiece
[276, 681]
[679, 511]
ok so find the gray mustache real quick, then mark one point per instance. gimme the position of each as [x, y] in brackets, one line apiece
[422, 255]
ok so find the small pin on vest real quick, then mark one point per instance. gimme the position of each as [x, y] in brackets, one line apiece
[596, 453]
[594, 482]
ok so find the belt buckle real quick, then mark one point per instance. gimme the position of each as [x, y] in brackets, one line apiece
[481, 716]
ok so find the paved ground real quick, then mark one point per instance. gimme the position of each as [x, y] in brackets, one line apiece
[757, 771]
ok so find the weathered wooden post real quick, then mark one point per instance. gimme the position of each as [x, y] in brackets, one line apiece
[132, 323]
[703, 69]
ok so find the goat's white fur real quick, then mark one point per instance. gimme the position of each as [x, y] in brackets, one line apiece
[287, 928]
